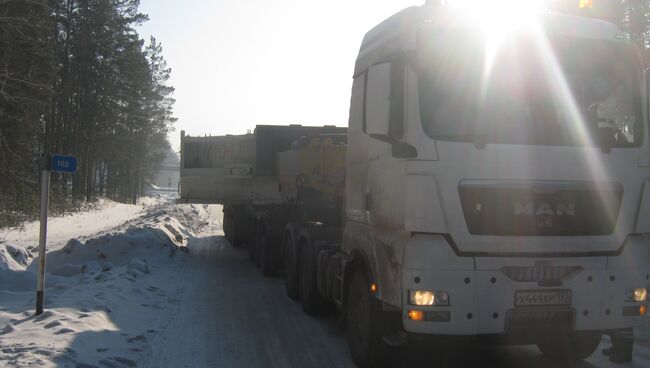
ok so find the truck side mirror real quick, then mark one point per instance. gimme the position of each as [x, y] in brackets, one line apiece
[378, 100]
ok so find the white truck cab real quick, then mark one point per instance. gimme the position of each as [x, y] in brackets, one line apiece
[499, 184]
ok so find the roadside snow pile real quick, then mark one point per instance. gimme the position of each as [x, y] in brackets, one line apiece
[13, 261]
[102, 216]
[112, 250]
[100, 292]
[13, 257]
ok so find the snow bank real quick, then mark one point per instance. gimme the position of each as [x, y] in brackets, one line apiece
[102, 292]
[13, 257]
[161, 233]
[103, 216]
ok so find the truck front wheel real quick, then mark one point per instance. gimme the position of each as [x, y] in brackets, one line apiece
[365, 325]
[571, 347]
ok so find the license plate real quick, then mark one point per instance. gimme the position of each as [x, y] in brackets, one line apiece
[531, 298]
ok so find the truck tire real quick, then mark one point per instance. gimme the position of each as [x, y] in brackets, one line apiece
[291, 268]
[570, 347]
[232, 229]
[251, 242]
[267, 255]
[310, 298]
[258, 236]
[225, 225]
[365, 325]
[240, 229]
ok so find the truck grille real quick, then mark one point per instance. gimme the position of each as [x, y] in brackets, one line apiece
[540, 273]
[540, 208]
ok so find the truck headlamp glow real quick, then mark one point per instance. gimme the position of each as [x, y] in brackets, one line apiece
[422, 297]
[636, 295]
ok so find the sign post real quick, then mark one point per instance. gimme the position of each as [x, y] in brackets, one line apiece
[56, 163]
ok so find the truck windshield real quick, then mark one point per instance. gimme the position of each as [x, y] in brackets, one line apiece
[567, 91]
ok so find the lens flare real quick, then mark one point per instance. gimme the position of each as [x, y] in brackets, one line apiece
[498, 21]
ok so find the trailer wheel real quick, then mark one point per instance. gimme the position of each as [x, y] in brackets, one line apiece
[234, 238]
[225, 225]
[570, 347]
[259, 234]
[311, 300]
[365, 325]
[290, 268]
[267, 257]
[232, 229]
[239, 230]
[237, 227]
[252, 240]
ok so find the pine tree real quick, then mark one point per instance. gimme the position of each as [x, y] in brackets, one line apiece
[26, 74]
[75, 78]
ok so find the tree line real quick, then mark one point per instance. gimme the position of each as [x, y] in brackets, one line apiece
[76, 78]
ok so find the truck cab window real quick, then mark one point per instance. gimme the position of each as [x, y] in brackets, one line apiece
[578, 92]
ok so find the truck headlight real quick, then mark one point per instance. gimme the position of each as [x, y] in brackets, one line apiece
[636, 295]
[422, 297]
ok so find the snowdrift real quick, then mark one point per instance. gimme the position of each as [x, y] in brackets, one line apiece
[102, 291]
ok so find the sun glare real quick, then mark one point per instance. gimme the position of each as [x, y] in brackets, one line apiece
[498, 13]
[497, 21]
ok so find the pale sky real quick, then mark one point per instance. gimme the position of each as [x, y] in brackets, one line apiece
[236, 63]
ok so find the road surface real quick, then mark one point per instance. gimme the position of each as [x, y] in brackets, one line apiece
[228, 315]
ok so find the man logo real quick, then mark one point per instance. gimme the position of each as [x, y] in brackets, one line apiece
[545, 209]
[545, 222]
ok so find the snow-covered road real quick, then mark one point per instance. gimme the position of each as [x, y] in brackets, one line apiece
[231, 316]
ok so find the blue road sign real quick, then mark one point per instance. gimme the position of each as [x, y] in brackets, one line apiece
[63, 164]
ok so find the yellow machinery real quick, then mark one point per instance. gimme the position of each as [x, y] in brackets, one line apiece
[314, 166]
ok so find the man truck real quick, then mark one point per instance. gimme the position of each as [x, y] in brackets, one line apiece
[484, 187]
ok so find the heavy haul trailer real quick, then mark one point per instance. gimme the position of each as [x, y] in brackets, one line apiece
[514, 205]
[238, 171]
